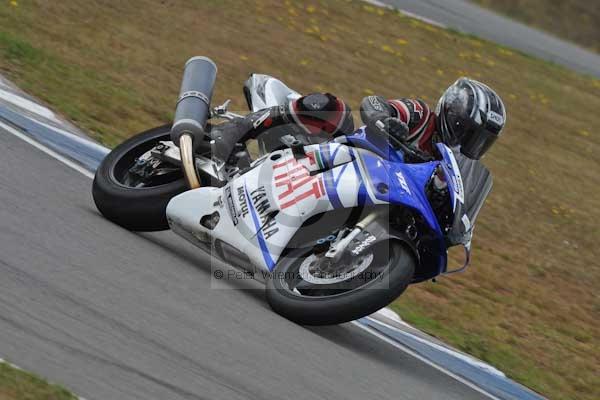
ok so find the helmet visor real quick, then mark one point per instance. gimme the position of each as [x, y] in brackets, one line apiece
[477, 140]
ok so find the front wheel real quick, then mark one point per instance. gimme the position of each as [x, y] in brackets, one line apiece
[134, 195]
[308, 289]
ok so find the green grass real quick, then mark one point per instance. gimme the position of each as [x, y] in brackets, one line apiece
[16, 384]
[529, 303]
[574, 20]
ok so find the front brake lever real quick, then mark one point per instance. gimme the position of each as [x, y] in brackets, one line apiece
[222, 109]
[223, 112]
[418, 154]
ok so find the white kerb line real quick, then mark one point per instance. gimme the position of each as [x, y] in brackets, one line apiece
[47, 150]
[425, 360]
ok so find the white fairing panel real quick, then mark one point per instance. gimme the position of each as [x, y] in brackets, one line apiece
[260, 211]
[266, 91]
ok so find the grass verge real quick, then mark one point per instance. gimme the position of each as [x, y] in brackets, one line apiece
[16, 384]
[529, 304]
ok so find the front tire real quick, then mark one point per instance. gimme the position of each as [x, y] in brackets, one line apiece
[340, 306]
[133, 207]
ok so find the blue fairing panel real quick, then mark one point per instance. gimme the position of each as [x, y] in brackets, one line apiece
[406, 184]
[453, 175]
[377, 144]
[415, 178]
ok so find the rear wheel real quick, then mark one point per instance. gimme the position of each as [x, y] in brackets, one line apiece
[132, 193]
[308, 289]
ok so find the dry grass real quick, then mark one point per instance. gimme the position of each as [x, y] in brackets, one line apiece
[575, 20]
[530, 303]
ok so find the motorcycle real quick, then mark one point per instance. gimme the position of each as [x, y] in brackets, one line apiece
[336, 229]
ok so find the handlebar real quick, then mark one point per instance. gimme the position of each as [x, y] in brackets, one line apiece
[406, 149]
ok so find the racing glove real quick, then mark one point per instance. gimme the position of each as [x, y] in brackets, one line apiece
[377, 115]
[394, 127]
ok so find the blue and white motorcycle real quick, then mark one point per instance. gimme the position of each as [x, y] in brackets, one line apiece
[337, 230]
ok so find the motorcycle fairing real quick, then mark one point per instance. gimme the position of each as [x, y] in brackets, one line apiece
[453, 176]
[407, 184]
[391, 168]
[374, 143]
[469, 183]
[261, 210]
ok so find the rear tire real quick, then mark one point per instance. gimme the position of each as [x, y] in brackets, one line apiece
[134, 208]
[340, 307]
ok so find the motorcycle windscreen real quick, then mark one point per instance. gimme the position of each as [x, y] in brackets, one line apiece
[477, 181]
[477, 184]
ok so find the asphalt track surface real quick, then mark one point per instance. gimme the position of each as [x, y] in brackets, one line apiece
[469, 18]
[113, 314]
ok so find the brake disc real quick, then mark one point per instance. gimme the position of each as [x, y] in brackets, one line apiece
[315, 269]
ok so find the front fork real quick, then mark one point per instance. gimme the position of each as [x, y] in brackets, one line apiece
[339, 246]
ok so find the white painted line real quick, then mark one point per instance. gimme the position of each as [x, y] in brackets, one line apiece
[380, 4]
[429, 21]
[425, 360]
[47, 150]
[423, 19]
[12, 365]
[73, 137]
[390, 314]
[28, 105]
[454, 353]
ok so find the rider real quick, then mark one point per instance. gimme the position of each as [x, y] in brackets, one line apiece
[315, 117]
[469, 114]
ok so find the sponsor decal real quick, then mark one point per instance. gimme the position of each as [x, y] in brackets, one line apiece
[314, 157]
[466, 222]
[219, 202]
[456, 178]
[231, 206]
[315, 106]
[418, 109]
[297, 182]
[402, 181]
[284, 114]
[260, 201]
[242, 202]
[261, 119]
[375, 103]
[363, 244]
[495, 118]
[259, 233]
[458, 188]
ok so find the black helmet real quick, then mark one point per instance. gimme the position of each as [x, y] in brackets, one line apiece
[470, 115]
